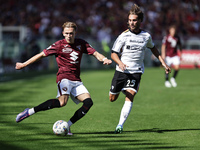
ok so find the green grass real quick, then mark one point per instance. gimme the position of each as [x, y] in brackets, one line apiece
[161, 118]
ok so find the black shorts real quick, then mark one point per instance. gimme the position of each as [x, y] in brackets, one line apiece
[123, 81]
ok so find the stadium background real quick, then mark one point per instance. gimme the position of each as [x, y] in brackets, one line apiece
[27, 27]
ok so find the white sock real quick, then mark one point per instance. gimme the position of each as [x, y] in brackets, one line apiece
[69, 123]
[126, 109]
[31, 111]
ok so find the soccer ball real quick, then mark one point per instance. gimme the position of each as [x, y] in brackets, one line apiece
[60, 127]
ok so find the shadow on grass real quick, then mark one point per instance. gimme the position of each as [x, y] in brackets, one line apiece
[120, 139]
[101, 140]
[157, 130]
[5, 146]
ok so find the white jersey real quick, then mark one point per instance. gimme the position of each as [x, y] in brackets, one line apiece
[131, 48]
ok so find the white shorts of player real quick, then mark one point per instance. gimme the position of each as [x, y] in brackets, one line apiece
[172, 60]
[72, 88]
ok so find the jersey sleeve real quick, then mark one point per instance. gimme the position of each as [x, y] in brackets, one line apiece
[118, 44]
[164, 40]
[89, 49]
[52, 49]
[150, 43]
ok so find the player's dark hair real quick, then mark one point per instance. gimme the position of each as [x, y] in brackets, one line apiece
[70, 25]
[135, 10]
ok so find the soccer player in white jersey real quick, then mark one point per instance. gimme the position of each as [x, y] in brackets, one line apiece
[128, 53]
[68, 53]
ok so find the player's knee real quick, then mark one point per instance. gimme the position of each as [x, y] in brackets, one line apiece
[112, 98]
[63, 100]
[87, 103]
[62, 103]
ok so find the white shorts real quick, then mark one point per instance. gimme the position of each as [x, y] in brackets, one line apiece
[72, 88]
[172, 60]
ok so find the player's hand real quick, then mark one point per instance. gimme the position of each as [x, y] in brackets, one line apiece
[107, 62]
[19, 66]
[122, 66]
[167, 69]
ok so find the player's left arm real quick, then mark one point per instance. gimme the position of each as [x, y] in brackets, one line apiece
[157, 54]
[102, 58]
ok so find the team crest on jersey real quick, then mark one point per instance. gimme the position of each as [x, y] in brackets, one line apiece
[78, 47]
[64, 89]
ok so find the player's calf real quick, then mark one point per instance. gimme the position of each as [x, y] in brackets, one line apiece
[87, 104]
[49, 104]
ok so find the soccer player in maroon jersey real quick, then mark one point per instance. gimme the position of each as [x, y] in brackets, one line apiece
[68, 53]
[169, 49]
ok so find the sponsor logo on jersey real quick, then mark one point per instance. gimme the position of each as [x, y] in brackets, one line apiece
[67, 50]
[134, 47]
[137, 41]
[74, 57]
[128, 35]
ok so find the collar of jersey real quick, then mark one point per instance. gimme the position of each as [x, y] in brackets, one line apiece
[134, 32]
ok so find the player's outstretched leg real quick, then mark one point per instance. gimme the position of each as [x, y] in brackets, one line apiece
[49, 104]
[87, 104]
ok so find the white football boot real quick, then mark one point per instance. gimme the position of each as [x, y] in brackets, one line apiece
[173, 82]
[168, 84]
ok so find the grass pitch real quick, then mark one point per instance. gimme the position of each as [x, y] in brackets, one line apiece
[161, 118]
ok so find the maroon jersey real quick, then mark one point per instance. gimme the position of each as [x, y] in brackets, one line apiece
[171, 44]
[68, 57]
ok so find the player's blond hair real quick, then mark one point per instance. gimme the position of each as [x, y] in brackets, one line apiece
[172, 26]
[135, 10]
[70, 25]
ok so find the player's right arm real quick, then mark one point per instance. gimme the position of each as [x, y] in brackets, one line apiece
[117, 60]
[30, 61]
[116, 49]
[163, 51]
[163, 48]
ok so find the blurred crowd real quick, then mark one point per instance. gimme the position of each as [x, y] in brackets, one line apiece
[100, 19]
